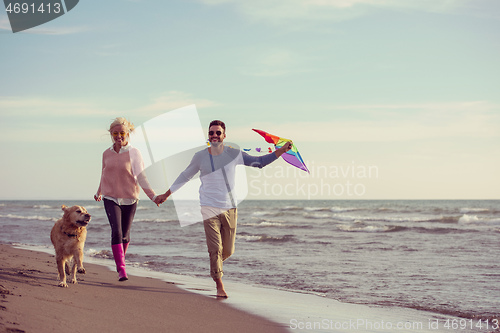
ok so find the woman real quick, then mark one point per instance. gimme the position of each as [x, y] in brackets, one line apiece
[122, 174]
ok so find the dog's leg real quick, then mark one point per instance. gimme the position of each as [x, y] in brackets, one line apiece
[79, 261]
[62, 275]
[73, 271]
[66, 267]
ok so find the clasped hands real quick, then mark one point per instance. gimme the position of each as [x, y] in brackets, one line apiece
[162, 198]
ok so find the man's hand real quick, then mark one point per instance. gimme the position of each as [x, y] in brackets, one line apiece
[286, 147]
[162, 198]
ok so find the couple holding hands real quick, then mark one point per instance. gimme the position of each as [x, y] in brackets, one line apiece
[122, 176]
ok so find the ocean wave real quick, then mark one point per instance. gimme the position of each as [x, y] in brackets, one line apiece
[271, 224]
[369, 228]
[58, 206]
[467, 219]
[44, 207]
[291, 208]
[438, 230]
[149, 220]
[317, 215]
[265, 224]
[474, 210]
[313, 209]
[250, 238]
[261, 213]
[395, 219]
[277, 213]
[265, 238]
[90, 207]
[344, 209]
[444, 219]
[462, 323]
[156, 265]
[317, 209]
[102, 254]
[33, 217]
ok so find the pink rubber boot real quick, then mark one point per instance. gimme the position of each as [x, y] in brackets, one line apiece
[119, 256]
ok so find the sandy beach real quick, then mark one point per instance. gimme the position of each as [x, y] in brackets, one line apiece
[31, 301]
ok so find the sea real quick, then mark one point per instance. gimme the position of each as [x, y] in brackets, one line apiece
[440, 256]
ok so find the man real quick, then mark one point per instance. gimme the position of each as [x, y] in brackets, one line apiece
[218, 204]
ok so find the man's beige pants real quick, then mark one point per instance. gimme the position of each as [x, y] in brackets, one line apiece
[220, 231]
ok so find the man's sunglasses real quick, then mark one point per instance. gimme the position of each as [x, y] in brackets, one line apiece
[212, 133]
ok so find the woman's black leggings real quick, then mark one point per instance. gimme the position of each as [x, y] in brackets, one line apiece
[120, 219]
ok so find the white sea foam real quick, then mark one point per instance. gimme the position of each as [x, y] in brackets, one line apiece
[317, 215]
[474, 210]
[466, 219]
[43, 207]
[250, 238]
[367, 228]
[261, 213]
[472, 219]
[156, 220]
[33, 217]
[270, 224]
[342, 209]
[315, 209]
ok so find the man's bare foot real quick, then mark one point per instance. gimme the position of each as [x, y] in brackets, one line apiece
[221, 292]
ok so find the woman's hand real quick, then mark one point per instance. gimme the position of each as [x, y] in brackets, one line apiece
[97, 197]
[162, 198]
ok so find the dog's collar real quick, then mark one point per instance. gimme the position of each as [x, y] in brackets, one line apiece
[69, 235]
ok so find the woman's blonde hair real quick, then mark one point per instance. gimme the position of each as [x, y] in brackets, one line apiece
[124, 122]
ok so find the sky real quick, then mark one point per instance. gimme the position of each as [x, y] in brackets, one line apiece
[385, 99]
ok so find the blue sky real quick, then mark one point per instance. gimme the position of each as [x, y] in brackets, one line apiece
[405, 88]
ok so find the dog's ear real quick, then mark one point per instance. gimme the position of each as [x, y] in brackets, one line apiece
[63, 207]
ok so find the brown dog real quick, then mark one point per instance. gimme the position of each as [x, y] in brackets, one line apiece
[68, 237]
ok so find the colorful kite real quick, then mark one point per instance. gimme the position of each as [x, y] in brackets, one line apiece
[292, 156]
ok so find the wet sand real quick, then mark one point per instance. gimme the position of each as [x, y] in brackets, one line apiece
[31, 301]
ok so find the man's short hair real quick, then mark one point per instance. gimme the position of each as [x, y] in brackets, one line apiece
[217, 123]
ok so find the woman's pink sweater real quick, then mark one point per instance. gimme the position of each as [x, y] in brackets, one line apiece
[118, 179]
